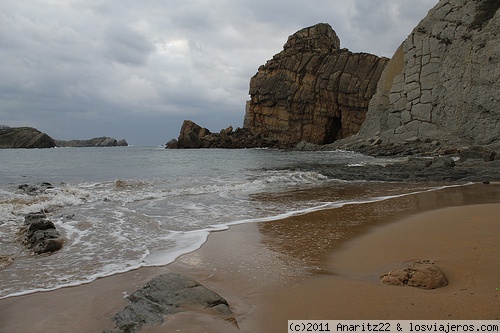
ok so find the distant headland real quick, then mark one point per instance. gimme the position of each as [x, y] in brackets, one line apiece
[103, 141]
[29, 137]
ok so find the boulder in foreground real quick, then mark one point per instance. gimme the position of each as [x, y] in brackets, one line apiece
[423, 274]
[40, 235]
[166, 294]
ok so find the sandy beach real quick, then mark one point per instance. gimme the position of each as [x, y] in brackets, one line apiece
[322, 265]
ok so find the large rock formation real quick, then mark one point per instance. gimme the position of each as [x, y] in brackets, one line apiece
[437, 95]
[95, 142]
[312, 91]
[442, 84]
[24, 137]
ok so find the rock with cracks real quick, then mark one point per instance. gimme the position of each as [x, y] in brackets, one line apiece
[39, 234]
[166, 294]
[313, 90]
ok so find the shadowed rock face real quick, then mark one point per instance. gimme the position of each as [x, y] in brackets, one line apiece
[312, 91]
[442, 83]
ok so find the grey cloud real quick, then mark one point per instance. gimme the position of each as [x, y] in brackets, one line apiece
[126, 46]
[385, 25]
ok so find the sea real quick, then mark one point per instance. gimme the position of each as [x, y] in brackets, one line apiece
[121, 208]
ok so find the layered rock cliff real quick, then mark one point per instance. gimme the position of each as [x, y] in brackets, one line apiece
[442, 84]
[312, 91]
[24, 137]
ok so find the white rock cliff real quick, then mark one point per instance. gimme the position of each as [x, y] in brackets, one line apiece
[443, 82]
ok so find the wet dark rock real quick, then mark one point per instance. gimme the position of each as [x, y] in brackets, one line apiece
[33, 218]
[172, 144]
[35, 189]
[412, 168]
[47, 245]
[442, 162]
[39, 234]
[41, 224]
[166, 294]
[477, 152]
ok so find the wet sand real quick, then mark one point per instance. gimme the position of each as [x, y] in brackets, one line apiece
[462, 240]
[322, 265]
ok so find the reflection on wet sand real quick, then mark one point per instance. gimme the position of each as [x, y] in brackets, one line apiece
[310, 237]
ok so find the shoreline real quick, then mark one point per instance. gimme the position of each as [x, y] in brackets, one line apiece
[377, 192]
[253, 266]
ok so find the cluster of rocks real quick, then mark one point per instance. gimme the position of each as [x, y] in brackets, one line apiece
[24, 137]
[166, 294]
[39, 234]
[466, 164]
[35, 189]
[95, 142]
[193, 135]
[424, 274]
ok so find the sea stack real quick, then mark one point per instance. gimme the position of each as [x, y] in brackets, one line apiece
[313, 90]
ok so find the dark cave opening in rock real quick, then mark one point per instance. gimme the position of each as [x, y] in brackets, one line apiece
[333, 129]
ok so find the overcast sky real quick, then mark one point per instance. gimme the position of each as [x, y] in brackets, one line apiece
[78, 69]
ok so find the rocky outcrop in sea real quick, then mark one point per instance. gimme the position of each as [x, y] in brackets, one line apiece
[313, 90]
[103, 141]
[193, 135]
[39, 234]
[24, 137]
